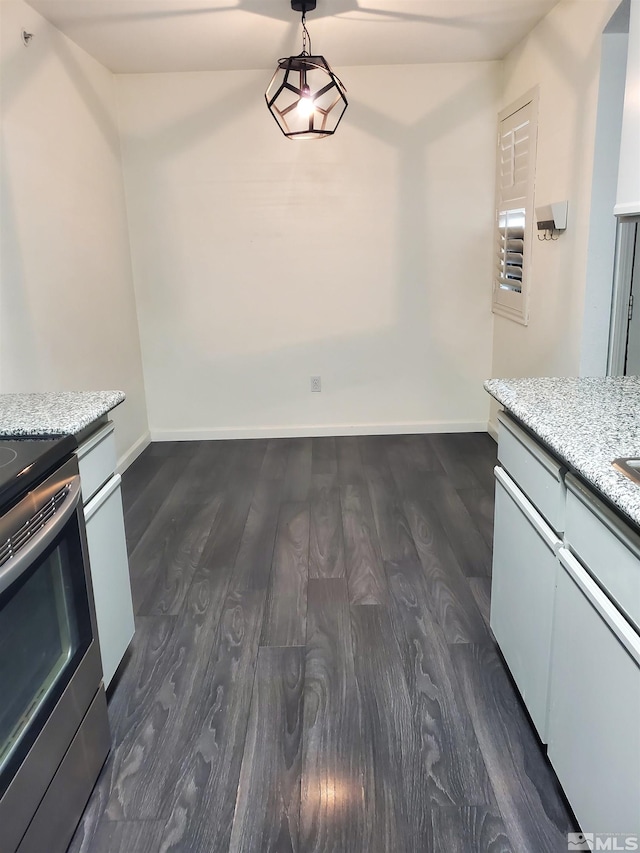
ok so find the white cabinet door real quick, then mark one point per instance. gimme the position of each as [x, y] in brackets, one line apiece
[594, 712]
[110, 575]
[522, 594]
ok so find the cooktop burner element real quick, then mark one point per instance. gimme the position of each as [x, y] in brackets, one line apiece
[25, 461]
[7, 455]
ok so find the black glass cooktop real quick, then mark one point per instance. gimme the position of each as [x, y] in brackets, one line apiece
[25, 462]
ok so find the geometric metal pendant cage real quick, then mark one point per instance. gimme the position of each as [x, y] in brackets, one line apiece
[305, 97]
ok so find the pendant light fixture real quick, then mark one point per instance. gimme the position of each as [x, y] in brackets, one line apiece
[304, 96]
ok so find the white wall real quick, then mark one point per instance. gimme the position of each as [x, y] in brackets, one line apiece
[67, 308]
[562, 55]
[628, 195]
[602, 225]
[365, 258]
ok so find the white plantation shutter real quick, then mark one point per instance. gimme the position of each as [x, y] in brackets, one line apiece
[514, 207]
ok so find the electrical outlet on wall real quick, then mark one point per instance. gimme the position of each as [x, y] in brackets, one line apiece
[316, 383]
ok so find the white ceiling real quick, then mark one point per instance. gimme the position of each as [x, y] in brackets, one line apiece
[194, 35]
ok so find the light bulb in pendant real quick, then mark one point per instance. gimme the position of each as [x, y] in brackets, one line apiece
[305, 104]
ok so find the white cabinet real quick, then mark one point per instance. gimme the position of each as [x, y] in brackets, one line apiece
[566, 615]
[594, 712]
[628, 196]
[107, 548]
[522, 594]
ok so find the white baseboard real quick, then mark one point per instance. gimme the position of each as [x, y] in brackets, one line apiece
[492, 429]
[133, 452]
[205, 434]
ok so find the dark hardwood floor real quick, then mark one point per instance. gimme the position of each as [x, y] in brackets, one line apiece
[312, 668]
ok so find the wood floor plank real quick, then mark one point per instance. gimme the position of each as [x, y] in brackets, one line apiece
[235, 556]
[137, 478]
[469, 829]
[135, 692]
[349, 462]
[332, 804]
[421, 448]
[221, 549]
[326, 541]
[132, 700]
[479, 505]
[143, 758]
[194, 480]
[201, 785]
[452, 770]
[247, 456]
[526, 788]
[165, 449]
[396, 814]
[205, 470]
[375, 464]
[143, 836]
[324, 459]
[297, 480]
[145, 762]
[253, 562]
[481, 591]
[268, 802]
[143, 511]
[481, 455]
[411, 460]
[449, 596]
[473, 554]
[191, 504]
[285, 617]
[452, 450]
[394, 536]
[274, 464]
[166, 558]
[363, 561]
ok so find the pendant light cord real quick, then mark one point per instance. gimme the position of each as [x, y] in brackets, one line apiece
[305, 36]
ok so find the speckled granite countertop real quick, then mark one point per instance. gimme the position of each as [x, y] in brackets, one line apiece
[54, 413]
[587, 422]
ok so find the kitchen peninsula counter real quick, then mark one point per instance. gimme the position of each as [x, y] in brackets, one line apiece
[55, 413]
[586, 422]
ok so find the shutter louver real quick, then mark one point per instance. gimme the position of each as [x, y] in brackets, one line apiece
[511, 248]
[516, 147]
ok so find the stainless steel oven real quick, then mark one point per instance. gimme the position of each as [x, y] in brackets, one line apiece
[54, 734]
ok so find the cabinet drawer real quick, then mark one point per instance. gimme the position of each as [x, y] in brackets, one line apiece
[538, 473]
[96, 460]
[606, 546]
[594, 736]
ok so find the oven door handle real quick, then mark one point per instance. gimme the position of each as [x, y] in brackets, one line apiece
[41, 540]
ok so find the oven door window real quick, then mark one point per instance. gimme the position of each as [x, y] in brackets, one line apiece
[45, 630]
